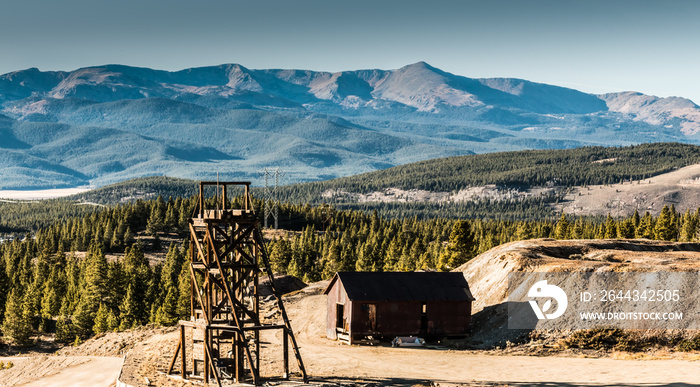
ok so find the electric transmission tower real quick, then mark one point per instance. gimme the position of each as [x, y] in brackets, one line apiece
[271, 194]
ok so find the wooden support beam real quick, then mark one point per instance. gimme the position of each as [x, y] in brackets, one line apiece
[285, 352]
[183, 352]
[285, 318]
[228, 254]
[195, 286]
[210, 364]
[174, 358]
[249, 356]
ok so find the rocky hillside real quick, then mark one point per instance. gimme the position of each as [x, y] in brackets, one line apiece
[487, 275]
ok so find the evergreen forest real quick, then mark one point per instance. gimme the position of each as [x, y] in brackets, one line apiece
[119, 267]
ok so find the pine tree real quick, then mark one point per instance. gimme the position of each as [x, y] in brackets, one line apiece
[610, 228]
[129, 316]
[561, 231]
[167, 313]
[4, 285]
[646, 227]
[626, 229]
[280, 255]
[171, 268]
[331, 259]
[64, 325]
[577, 230]
[112, 321]
[407, 262]
[138, 275]
[486, 242]
[101, 317]
[157, 216]
[690, 224]
[128, 237]
[460, 247]
[16, 326]
[49, 305]
[665, 229]
[171, 217]
[365, 259]
[184, 293]
[523, 231]
[393, 255]
[64, 330]
[93, 293]
[84, 318]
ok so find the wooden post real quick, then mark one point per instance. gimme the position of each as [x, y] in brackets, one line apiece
[201, 200]
[207, 369]
[236, 358]
[183, 353]
[285, 352]
[223, 197]
[193, 254]
[256, 307]
[246, 197]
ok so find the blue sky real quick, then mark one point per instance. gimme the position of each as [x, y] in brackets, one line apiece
[590, 45]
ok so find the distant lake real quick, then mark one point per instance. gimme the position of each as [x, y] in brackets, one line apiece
[41, 194]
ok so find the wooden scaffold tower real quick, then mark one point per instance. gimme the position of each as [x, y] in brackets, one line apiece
[223, 332]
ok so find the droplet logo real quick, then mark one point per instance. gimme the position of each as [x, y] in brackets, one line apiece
[542, 290]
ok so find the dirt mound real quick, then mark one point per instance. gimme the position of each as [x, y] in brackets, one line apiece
[112, 343]
[284, 284]
[487, 274]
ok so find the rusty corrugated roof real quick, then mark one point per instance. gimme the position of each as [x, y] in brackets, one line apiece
[403, 286]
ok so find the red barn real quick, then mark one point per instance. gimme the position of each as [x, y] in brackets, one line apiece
[389, 304]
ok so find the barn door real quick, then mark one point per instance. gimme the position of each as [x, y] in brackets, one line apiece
[372, 311]
[340, 316]
[424, 319]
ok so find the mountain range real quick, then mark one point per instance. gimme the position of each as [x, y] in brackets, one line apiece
[100, 125]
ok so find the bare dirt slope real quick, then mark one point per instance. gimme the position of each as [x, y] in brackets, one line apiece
[332, 363]
[680, 187]
[96, 362]
[62, 371]
[487, 274]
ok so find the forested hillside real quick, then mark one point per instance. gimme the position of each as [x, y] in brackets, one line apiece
[513, 172]
[61, 280]
[522, 169]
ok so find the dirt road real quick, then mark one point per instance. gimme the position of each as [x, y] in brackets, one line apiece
[408, 366]
[61, 371]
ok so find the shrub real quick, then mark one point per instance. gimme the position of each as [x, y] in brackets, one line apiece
[690, 344]
[601, 338]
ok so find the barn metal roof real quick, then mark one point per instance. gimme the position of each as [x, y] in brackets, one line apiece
[403, 286]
